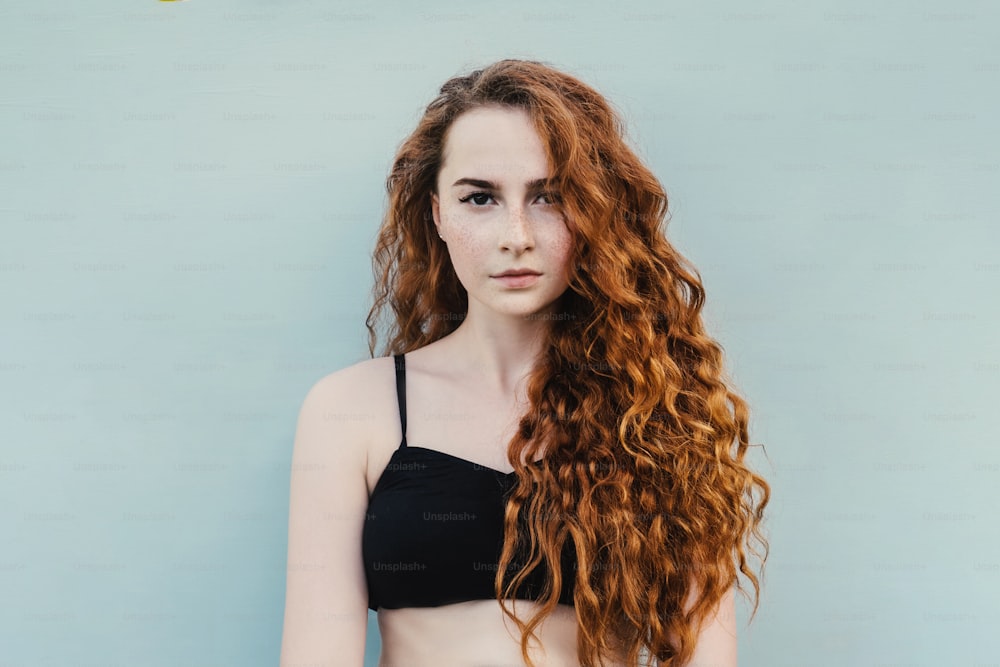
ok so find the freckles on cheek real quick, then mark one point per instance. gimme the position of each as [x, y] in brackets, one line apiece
[563, 246]
[469, 254]
[468, 244]
[563, 250]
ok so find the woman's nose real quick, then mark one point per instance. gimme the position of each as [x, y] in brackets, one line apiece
[517, 231]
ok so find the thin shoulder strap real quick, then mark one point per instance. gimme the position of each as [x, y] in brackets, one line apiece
[401, 393]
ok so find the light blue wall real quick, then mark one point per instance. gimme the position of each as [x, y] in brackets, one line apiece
[190, 196]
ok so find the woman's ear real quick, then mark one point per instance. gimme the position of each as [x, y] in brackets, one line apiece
[436, 212]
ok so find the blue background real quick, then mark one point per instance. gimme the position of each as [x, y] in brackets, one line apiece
[191, 193]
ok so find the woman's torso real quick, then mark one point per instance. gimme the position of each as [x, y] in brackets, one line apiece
[446, 414]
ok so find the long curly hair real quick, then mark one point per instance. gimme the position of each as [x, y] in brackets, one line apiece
[644, 440]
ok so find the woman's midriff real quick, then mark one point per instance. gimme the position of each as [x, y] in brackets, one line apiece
[476, 633]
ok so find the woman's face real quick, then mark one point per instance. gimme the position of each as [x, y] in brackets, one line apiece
[501, 221]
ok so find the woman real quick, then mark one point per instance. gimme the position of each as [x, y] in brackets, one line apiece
[548, 469]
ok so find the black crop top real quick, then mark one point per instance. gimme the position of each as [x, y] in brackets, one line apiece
[433, 531]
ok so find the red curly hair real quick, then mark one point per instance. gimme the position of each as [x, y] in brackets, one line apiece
[643, 437]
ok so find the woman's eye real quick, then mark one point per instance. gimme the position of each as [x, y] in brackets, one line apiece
[551, 198]
[476, 194]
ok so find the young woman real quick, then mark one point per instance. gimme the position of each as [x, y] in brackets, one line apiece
[546, 468]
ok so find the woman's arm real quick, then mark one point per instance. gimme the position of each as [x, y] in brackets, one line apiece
[716, 643]
[326, 598]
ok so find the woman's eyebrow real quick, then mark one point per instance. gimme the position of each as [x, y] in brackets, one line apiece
[490, 185]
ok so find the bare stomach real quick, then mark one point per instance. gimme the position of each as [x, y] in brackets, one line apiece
[475, 634]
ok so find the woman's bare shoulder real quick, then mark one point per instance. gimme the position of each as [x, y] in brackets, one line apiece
[360, 376]
[358, 387]
[354, 397]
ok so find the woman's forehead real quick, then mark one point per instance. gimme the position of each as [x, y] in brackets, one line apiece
[494, 145]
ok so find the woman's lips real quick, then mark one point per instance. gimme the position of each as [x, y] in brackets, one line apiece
[518, 280]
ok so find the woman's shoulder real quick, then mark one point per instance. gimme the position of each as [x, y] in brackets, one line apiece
[351, 404]
[359, 380]
[368, 381]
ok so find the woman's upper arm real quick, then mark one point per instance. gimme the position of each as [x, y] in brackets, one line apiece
[716, 645]
[326, 596]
